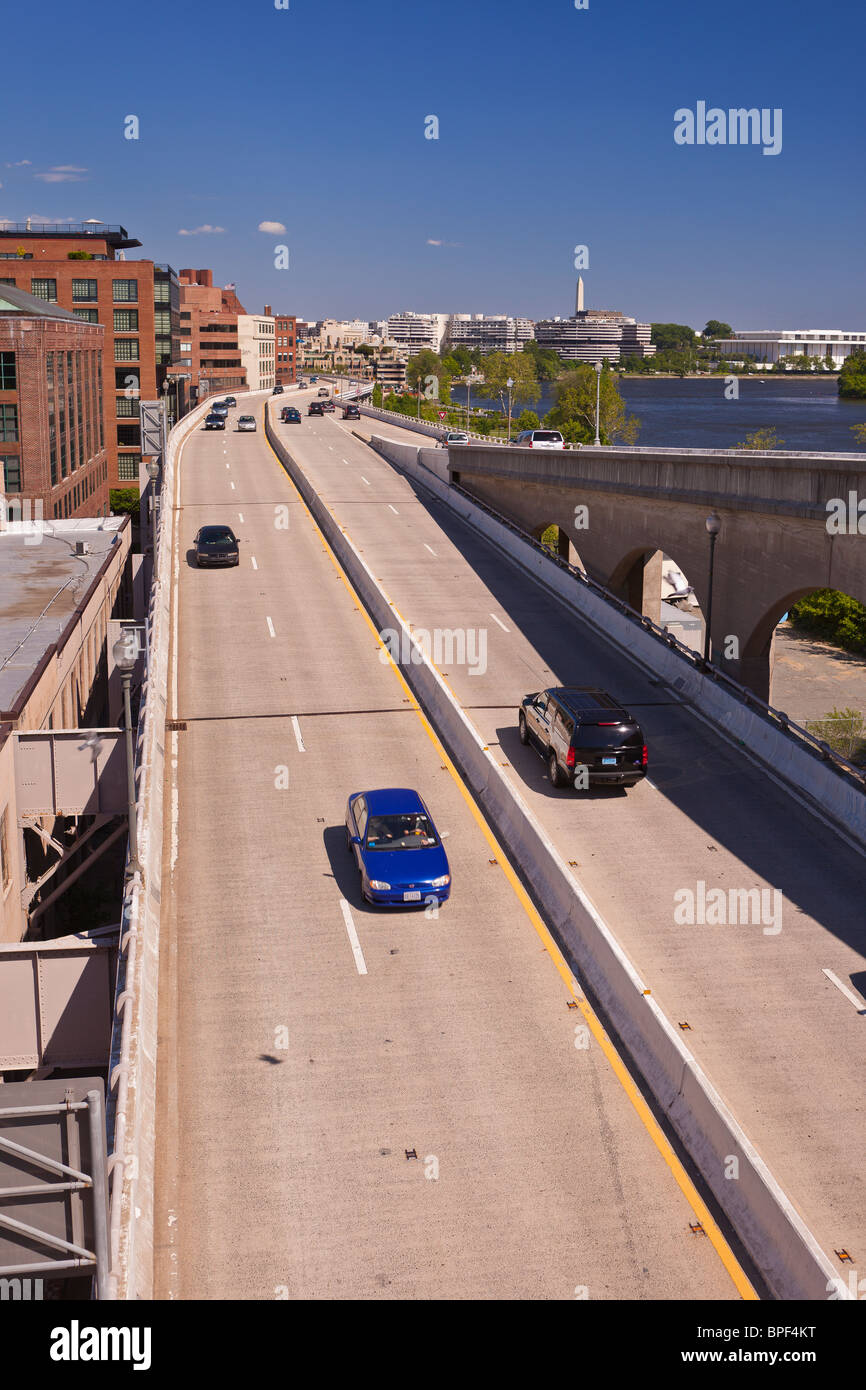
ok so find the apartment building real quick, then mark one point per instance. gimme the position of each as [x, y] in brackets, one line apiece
[209, 350]
[53, 459]
[490, 332]
[593, 335]
[256, 343]
[412, 331]
[285, 343]
[83, 268]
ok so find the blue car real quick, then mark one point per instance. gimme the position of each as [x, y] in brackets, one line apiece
[397, 848]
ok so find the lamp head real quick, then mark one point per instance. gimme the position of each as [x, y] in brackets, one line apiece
[125, 651]
[713, 524]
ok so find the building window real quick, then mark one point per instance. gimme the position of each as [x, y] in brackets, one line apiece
[5, 861]
[126, 320]
[126, 350]
[88, 315]
[124, 291]
[83, 290]
[162, 292]
[7, 371]
[127, 468]
[127, 408]
[44, 289]
[129, 434]
[7, 280]
[9, 423]
[10, 472]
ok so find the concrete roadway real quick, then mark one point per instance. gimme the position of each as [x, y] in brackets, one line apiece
[780, 1039]
[291, 1085]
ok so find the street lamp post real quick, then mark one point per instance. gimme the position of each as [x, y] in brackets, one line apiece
[125, 652]
[152, 466]
[714, 526]
[509, 383]
[598, 372]
[468, 391]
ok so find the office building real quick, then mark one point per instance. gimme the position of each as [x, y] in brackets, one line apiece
[53, 461]
[256, 343]
[209, 351]
[768, 345]
[490, 332]
[413, 332]
[285, 343]
[83, 268]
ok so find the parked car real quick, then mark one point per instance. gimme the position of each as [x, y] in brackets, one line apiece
[214, 421]
[230, 401]
[246, 422]
[290, 415]
[539, 439]
[582, 727]
[278, 390]
[351, 412]
[455, 437]
[315, 408]
[397, 848]
[216, 545]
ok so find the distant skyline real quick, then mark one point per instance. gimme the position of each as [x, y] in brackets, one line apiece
[260, 128]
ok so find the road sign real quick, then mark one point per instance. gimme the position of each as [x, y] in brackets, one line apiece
[441, 414]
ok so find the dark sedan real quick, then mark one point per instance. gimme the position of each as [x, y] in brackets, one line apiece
[216, 545]
[215, 422]
[397, 849]
[290, 415]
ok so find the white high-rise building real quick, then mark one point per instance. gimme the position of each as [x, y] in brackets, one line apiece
[490, 332]
[416, 331]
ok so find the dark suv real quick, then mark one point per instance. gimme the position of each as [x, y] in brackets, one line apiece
[351, 412]
[315, 408]
[585, 737]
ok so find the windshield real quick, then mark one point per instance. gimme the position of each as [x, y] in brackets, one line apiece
[547, 437]
[214, 536]
[412, 831]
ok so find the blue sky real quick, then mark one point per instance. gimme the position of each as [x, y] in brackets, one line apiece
[555, 130]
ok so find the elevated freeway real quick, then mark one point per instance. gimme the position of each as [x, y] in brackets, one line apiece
[354, 1103]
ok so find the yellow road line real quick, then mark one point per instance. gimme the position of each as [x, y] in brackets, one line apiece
[681, 1177]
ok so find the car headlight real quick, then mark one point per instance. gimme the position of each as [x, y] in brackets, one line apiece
[441, 882]
[377, 883]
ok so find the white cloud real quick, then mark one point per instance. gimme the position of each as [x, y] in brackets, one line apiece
[205, 230]
[273, 227]
[432, 241]
[62, 173]
[17, 163]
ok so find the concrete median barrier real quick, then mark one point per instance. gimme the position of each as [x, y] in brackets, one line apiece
[783, 1249]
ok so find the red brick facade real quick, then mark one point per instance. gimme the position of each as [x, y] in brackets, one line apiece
[285, 347]
[209, 334]
[52, 435]
[119, 295]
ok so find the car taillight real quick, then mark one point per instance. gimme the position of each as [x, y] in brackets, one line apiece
[569, 758]
[643, 757]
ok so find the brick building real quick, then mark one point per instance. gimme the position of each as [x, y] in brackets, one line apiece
[285, 345]
[53, 461]
[84, 269]
[209, 348]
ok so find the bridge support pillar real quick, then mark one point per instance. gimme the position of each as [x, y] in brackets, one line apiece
[643, 585]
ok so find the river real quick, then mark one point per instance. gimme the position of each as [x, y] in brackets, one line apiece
[693, 413]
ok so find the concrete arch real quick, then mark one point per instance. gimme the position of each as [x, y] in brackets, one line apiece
[756, 658]
[565, 547]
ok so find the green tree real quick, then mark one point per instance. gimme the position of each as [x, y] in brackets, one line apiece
[499, 367]
[852, 378]
[425, 363]
[860, 434]
[377, 395]
[125, 499]
[716, 329]
[548, 364]
[574, 411]
[673, 336]
[527, 420]
[79, 256]
[835, 617]
[761, 439]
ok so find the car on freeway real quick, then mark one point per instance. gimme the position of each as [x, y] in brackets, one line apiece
[323, 391]
[351, 412]
[220, 408]
[315, 408]
[214, 421]
[278, 389]
[539, 439]
[216, 545]
[397, 849]
[246, 422]
[585, 736]
[455, 437]
[229, 401]
[313, 378]
[290, 415]
[328, 405]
